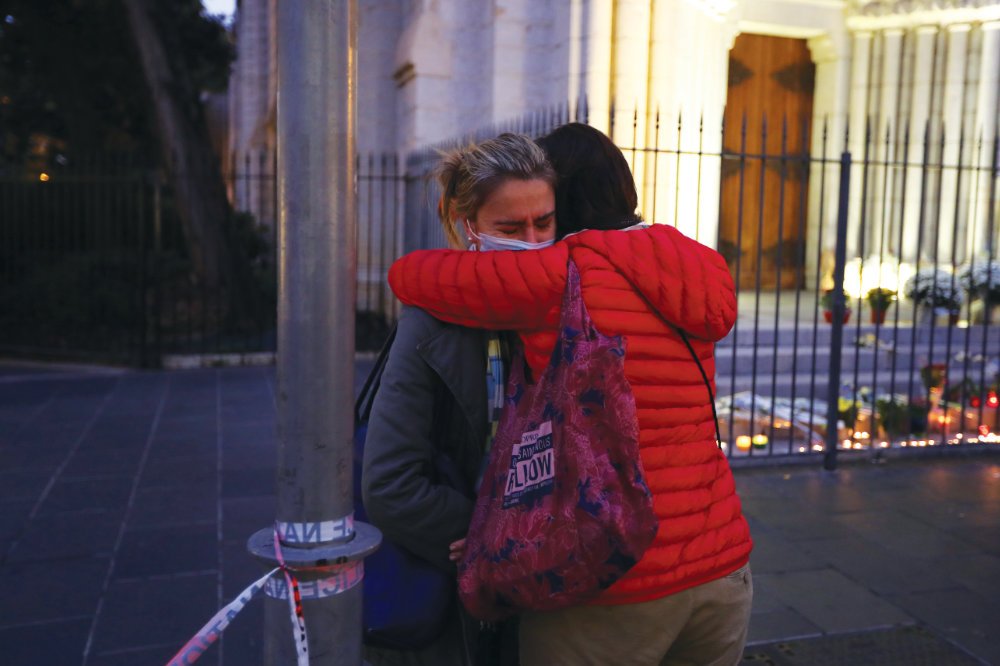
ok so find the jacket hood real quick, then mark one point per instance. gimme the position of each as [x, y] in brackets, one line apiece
[687, 283]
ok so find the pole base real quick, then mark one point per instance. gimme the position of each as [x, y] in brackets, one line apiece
[365, 541]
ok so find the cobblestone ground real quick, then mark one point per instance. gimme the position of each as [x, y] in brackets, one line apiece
[126, 499]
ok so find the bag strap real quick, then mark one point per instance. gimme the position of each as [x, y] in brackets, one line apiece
[694, 355]
[704, 376]
[366, 397]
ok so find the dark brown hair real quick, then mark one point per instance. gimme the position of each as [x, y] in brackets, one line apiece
[595, 189]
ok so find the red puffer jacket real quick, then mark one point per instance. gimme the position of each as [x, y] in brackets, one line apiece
[703, 534]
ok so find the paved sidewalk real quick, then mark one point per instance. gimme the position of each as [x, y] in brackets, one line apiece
[126, 499]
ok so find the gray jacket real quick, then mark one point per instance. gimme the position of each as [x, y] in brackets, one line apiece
[432, 402]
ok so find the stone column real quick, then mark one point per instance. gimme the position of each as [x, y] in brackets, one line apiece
[661, 113]
[630, 82]
[689, 46]
[510, 59]
[831, 54]
[704, 131]
[858, 119]
[590, 58]
[924, 67]
[882, 229]
[953, 100]
[423, 75]
[986, 127]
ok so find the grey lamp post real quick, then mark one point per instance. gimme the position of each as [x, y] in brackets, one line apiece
[317, 264]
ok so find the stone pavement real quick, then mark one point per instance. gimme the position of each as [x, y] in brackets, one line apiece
[126, 499]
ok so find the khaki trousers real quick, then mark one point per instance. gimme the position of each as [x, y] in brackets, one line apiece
[702, 626]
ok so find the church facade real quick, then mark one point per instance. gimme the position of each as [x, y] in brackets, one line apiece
[687, 87]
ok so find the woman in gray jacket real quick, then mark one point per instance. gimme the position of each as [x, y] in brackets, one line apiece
[442, 388]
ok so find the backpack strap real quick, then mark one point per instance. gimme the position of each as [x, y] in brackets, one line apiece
[366, 397]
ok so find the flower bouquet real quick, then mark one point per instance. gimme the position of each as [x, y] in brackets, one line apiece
[936, 290]
[981, 280]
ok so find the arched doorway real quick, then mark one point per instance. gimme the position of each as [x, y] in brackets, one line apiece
[765, 177]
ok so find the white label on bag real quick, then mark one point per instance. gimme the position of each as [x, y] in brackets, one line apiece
[532, 467]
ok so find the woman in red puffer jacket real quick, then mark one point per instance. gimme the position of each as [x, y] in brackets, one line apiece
[688, 598]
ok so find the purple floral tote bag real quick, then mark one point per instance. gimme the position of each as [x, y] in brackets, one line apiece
[563, 510]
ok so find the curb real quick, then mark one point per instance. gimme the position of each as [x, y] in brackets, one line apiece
[251, 359]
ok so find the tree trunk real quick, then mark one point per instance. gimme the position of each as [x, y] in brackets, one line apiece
[192, 167]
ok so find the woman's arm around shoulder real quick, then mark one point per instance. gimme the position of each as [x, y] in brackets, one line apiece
[512, 290]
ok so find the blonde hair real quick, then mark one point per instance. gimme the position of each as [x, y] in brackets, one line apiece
[469, 175]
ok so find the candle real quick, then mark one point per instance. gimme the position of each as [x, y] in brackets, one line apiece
[743, 442]
[759, 441]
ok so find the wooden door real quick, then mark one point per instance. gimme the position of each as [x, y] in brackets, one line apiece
[770, 79]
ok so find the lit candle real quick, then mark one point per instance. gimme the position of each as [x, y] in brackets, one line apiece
[759, 441]
[743, 442]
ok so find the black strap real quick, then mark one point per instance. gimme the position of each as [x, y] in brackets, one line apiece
[363, 405]
[708, 384]
[687, 343]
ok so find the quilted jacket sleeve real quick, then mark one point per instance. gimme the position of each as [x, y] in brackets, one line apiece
[512, 290]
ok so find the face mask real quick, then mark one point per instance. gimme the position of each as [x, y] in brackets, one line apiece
[489, 243]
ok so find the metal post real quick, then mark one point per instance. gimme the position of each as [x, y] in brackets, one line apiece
[317, 265]
[837, 334]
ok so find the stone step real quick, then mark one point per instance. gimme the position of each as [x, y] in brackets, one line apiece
[789, 358]
[809, 384]
[766, 334]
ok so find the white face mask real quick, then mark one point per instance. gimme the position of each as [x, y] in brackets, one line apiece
[489, 243]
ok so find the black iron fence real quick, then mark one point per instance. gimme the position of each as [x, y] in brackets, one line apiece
[75, 260]
[93, 262]
[907, 355]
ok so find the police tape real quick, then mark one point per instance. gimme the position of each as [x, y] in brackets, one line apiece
[295, 604]
[210, 633]
[337, 579]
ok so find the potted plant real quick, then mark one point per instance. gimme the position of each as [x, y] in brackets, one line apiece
[879, 299]
[847, 411]
[981, 280]
[826, 302]
[934, 375]
[937, 291]
[893, 414]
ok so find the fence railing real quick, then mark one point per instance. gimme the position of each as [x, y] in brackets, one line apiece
[93, 261]
[896, 369]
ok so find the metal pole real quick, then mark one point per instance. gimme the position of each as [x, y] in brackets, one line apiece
[837, 334]
[317, 266]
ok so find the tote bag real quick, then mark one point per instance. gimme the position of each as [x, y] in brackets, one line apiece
[563, 511]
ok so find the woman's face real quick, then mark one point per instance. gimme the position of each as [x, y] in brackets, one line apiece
[518, 210]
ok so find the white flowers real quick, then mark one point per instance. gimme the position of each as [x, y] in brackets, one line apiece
[936, 288]
[980, 276]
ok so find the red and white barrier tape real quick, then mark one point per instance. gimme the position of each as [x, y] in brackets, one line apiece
[295, 605]
[210, 633]
[340, 579]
